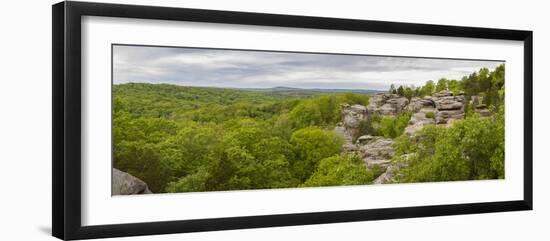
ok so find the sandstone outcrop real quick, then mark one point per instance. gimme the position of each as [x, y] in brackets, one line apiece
[423, 114]
[387, 104]
[442, 108]
[482, 110]
[479, 107]
[449, 108]
[376, 151]
[386, 177]
[126, 184]
[348, 128]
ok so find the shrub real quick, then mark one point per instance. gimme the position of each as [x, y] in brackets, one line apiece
[430, 115]
[340, 170]
[472, 149]
[311, 145]
[392, 127]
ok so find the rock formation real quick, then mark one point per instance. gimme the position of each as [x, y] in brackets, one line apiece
[479, 107]
[449, 108]
[126, 184]
[482, 110]
[387, 104]
[351, 119]
[423, 114]
[387, 176]
[376, 151]
[442, 108]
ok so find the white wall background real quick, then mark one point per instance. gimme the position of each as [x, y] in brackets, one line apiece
[25, 119]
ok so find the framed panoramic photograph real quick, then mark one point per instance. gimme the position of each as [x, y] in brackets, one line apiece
[169, 120]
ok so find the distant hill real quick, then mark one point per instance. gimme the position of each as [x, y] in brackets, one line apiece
[291, 89]
[154, 100]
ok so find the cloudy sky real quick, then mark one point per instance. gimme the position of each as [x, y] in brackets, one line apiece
[258, 69]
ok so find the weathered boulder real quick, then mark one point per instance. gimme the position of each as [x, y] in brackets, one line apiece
[376, 101]
[353, 115]
[417, 104]
[351, 119]
[126, 184]
[482, 110]
[386, 177]
[364, 139]
[386, 104]
[443, 93]
[424, 113]
[391, 171]
[419, 120]
[341, 131]
[447, 116]
[377, 151]
[449, 108]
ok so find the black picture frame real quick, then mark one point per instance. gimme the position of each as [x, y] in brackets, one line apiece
[66, 127]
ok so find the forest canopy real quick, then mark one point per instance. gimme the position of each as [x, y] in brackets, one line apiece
[192, 139]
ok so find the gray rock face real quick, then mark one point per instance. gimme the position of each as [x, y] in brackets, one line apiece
[420, 103]
[418, 121]
[482, 110]
[353, 115]
[424, 112]
[449, 108]
[386, 104]
[126, 184]
[391, 172]
[376, 101]
[351, 118]
[386, 177]
[364, 139]
[377, 151]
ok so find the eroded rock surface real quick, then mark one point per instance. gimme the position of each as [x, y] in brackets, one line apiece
[387, 104]
[449, 108]
[352, 115]
[423, 114]
[126, 184]
[376, 151]
[482, 110]
[442, 108]
[479, 107]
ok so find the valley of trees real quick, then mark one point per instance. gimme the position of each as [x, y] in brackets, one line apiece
[192, 139]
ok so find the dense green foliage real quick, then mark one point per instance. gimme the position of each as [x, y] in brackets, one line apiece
[471, 149]
[190, 139]
[340, 170]
[485, 83]
[387, 126]
[180, 139]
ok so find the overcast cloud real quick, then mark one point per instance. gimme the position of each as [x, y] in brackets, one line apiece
[256, 69]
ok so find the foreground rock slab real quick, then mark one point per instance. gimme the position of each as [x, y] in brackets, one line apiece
[126, 184]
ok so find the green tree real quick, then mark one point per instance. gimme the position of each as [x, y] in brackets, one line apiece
[401, 91]
[392, 127]
[471, 149]
[305, 114]
[310, 145]
[143, 161]
[428, 88]
[441, 85]
[340, 170]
